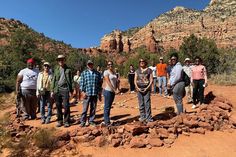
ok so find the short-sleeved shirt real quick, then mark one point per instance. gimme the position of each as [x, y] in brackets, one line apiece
[161, 69]
[143, 77]
[154, 71]
[113, 79]
[29, 78]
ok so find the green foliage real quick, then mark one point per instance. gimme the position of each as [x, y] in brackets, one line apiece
[202, 47]
[45, 139]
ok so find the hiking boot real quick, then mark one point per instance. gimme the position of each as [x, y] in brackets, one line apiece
[47, 121]
[43, 121]
[59, 124]
[66, 125]
[142, 120]
[92, 123]
[82, 124]
[194, 106]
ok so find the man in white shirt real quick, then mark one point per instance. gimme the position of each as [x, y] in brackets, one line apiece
[154, 74]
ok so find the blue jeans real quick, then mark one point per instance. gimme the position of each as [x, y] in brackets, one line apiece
[45, 99]
[178, 93]
[154, 85]
[108, 100]
[145, 105]
[92, 102]
[162, 82]
[62, 98]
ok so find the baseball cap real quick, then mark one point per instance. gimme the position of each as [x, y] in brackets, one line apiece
[46, 63]
[187, 59]
[89, 62]
[60, 57]
[161, 58]
[31, 60]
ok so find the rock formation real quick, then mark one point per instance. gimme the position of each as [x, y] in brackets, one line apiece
[216, 21]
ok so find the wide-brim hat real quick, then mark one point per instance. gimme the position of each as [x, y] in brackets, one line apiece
[60, 57]
[187, 59]
[89, 62]
[46, 63]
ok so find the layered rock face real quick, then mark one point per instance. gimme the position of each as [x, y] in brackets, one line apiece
[216, 21]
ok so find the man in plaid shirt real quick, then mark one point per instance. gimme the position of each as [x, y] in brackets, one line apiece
[91, 87]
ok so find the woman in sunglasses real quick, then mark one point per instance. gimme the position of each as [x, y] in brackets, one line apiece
[109, 92]
[198, 81]
[43, 92]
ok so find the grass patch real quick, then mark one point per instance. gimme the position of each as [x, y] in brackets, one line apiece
[7, 100]
[4, 134]
[45, 139]
[224, 79]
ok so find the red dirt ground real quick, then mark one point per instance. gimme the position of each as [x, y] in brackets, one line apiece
[212, 144]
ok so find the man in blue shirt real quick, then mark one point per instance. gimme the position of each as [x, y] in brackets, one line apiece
[91, 87]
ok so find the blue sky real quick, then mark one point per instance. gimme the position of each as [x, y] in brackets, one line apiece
[82, 23]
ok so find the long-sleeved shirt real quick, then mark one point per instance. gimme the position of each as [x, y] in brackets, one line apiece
[43, 82]
[176, 74]
[198, 73]
[90, 82]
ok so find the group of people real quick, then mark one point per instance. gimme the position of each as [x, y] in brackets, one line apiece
[60, 86]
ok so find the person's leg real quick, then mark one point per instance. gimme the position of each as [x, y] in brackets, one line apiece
[195, 89]
[108, 100]
[187, 90]
[178, 96]
[93, 107]
[165, 85]
[49, 104]
[33, 104]
[147, 102]
[85, 109]
[58, 99]
[42, 107]
[201, 91]
[160, 85]
[155, 85]
[141, 106]
[66, 105]
[26, 103]
[132, 85]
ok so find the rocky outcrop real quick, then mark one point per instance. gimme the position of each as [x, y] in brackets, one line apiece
[216, 21]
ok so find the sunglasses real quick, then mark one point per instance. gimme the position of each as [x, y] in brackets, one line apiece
[46, 66]
[110, 64]
[173, 59]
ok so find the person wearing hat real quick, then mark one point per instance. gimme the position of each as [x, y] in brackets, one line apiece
[43, 92]
[26, 87]
[143, 81]
[161, 69]
[187, 68]
[61, 89]
[91, 88]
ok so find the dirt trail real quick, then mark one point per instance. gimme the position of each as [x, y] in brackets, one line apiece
[212, 144]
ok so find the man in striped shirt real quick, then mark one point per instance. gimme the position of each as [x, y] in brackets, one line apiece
[91, 87]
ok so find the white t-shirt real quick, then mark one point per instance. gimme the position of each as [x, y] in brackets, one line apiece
[112, 78]
[154, 70]
[29, 78]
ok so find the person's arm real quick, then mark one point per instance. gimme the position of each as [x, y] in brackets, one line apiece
[38, 84]
[19, 79]
[205, 74]
[135, 82]
[151, 81]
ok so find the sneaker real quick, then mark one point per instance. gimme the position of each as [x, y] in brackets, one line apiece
[43, 121]
[141, 119]
[150, 120]
[59, 124]
[92, 123]
[47, 121]
[82, 124]
[194, 106]
[66, 125]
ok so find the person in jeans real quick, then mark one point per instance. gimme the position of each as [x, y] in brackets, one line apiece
[43, 92]
[91, 87]
[131, 74]
[143, 80]
[198, 81]
[109, 92]
[26, 87]
[188, 89]
[154, 74]
[61, 89]
[162, 74]
[176, 82]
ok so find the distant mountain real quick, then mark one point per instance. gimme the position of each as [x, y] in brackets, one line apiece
[9, 28]
[216, 21]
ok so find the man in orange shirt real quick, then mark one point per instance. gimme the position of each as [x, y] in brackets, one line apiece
[162, 74]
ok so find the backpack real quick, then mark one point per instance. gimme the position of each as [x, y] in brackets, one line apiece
[186, 79]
